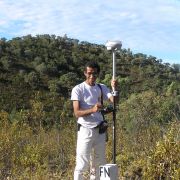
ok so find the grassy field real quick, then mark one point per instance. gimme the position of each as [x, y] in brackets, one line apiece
[35, 154]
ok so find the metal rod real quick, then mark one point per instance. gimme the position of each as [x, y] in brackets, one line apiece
[114, 64]
[114, 131]
[114, 107]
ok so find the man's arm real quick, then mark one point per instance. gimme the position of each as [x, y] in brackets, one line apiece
[84, 112]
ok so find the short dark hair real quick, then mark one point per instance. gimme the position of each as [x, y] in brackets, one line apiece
[92, 64]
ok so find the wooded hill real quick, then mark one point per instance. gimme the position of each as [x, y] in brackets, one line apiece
[36, 78]
[53, 65]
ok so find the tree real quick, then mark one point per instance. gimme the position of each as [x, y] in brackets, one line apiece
[68, 81]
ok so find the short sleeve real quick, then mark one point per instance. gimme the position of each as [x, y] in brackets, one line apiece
[75, 94]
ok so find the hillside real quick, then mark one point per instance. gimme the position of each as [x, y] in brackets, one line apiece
[53, 65]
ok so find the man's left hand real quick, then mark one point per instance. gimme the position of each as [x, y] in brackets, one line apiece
[113, 83]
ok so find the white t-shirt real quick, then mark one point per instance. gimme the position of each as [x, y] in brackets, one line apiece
[88, 96]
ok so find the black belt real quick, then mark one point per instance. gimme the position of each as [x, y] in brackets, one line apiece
[79, 125]
[102, 126]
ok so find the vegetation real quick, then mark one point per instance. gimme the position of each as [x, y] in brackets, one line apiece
[37, 126]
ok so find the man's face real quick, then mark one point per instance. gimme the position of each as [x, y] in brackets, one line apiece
[91, 75]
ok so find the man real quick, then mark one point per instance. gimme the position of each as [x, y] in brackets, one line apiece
[87, 105]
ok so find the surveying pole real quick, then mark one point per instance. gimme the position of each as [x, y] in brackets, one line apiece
[114, 46]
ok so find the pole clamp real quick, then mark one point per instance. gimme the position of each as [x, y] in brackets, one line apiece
[115, 93]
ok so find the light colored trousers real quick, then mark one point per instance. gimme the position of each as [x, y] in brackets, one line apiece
[88, 141]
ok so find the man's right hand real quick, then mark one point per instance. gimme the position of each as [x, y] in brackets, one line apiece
[97, 107]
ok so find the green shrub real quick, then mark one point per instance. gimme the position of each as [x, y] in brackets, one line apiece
[163, 163]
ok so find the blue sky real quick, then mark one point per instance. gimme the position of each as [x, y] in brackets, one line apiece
[151, 27]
